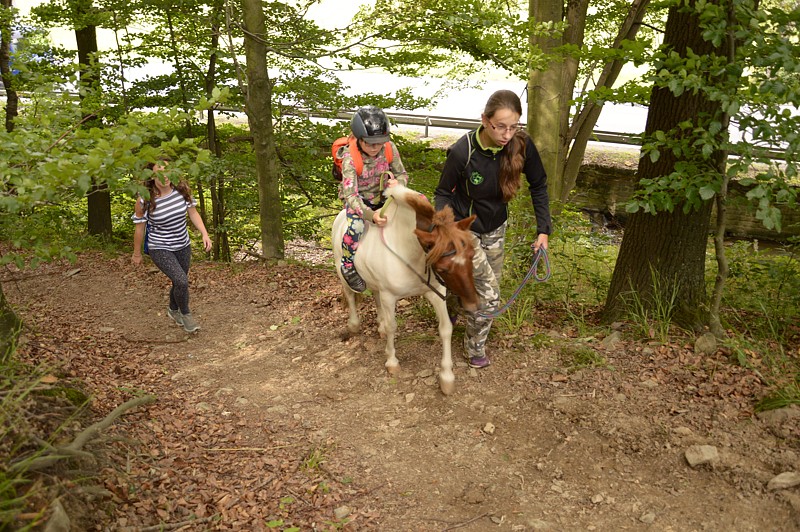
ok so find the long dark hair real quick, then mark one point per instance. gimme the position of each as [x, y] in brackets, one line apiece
[512, 158]
[182, 187]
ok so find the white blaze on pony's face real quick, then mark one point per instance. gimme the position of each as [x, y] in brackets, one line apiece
[456, 272]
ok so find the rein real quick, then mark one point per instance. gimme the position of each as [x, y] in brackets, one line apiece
[532, 273]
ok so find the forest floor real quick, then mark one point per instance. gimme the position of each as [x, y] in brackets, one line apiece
[271, 418]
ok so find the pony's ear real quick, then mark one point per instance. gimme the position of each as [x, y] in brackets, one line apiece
[426, 239]
[466, 222]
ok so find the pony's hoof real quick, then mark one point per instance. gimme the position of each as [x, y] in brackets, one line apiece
[447, 387]
[393, 369]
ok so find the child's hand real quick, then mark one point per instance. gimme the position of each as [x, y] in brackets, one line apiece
[378, 220]
[391, 182]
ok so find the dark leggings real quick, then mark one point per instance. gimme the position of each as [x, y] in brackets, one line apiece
[175, 265]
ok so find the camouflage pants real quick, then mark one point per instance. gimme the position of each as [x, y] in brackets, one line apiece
[487, 268]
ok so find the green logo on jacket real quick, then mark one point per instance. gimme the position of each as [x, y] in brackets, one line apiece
[476, 178]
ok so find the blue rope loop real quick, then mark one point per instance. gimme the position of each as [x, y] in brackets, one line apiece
[541, 255]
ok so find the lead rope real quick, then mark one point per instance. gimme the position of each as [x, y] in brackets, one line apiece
[532, 274]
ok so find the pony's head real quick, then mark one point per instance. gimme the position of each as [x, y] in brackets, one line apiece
[448, 245]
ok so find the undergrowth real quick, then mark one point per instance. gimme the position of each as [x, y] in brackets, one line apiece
[18, 386]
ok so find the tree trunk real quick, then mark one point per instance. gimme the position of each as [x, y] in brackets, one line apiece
[545, 96]
[10, 326]
[179, 71]
[99, 198]
[562, 145]
[220, 250]
[12, 99]
[662, 259]
[662, 256]
[580, 132]
[259, 115]
[714, 321]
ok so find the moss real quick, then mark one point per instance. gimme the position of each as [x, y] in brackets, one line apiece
[73, 395]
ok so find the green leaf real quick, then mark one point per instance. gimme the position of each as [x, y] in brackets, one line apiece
[707, 192]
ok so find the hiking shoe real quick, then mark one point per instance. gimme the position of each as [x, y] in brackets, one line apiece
[453, 307]
[176, 316]
[189, 324]
[353, 280]
[479, 362]
[453, 317]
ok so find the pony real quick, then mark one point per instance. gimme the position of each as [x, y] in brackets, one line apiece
[418, 252]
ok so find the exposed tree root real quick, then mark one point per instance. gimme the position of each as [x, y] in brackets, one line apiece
[54, 454]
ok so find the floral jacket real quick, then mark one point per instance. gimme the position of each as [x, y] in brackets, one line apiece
[362, 194]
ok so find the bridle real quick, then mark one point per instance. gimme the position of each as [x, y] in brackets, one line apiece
[428, 270]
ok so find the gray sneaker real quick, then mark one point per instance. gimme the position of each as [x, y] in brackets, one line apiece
[176, 316]
[189, 324]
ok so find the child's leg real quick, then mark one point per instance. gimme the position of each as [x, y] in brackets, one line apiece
[352, 234]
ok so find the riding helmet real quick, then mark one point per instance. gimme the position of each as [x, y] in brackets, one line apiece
[370, 123]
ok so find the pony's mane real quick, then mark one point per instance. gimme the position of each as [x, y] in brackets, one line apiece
[416, 201]
[448, 234]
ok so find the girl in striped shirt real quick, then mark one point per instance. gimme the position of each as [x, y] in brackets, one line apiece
[168, 243]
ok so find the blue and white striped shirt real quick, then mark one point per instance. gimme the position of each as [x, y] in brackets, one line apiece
[167, 227]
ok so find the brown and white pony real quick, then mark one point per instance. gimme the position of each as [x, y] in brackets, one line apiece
[413, 254]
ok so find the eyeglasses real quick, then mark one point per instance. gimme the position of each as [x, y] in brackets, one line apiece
[503, 129]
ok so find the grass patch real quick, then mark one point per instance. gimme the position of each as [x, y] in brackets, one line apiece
[516, 316]
[578, 357]
[19, 387]
[773, 365]
[313, 461]
[780, 397]
[651, 314]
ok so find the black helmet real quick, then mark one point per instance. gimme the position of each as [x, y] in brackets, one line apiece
[370, 123]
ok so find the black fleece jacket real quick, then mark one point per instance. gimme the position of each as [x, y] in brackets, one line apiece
[474, 188]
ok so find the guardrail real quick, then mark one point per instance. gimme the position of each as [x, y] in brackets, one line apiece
[427, 122]
[447, 122]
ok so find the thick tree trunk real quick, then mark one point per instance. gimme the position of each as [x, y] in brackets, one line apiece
[259, 115]
[99, 199]
[662, 256]
[662, 259]
[545, 96]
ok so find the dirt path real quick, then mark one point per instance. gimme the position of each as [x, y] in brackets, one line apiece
[269, 418]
